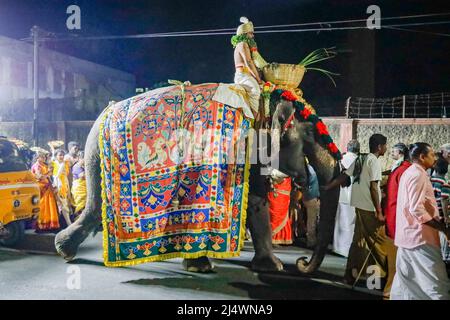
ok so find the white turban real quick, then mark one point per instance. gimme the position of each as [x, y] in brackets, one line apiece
[245, 27]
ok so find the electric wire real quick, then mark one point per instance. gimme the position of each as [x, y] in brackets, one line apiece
[164, 35]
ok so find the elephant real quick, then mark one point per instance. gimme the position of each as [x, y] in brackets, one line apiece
[300, 140]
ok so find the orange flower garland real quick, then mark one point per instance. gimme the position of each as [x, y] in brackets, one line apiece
[306, 114]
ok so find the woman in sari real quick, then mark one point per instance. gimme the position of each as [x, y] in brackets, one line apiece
[280, 221]
[48, 214]
[79, 185]
[61, 172]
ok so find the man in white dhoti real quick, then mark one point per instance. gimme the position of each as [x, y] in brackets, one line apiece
[345, 215]
[421, 273]
[246, 73]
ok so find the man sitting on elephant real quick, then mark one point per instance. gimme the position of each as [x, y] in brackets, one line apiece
[246, 61]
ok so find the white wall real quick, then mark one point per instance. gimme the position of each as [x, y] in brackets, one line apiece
[110, 82]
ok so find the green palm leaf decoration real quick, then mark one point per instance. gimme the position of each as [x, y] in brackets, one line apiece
[319, 55]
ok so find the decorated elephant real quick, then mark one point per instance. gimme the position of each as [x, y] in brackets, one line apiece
[302, 134]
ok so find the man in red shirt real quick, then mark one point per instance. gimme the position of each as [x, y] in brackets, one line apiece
[392, 190]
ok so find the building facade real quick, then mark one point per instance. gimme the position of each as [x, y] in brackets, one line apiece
[67, 85]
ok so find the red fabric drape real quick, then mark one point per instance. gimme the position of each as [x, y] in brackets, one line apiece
[280, 221]
[390, 207]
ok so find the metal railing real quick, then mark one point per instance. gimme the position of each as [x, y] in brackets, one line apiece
[434, 105]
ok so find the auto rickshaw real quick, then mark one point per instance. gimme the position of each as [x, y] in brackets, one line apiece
[19, 194]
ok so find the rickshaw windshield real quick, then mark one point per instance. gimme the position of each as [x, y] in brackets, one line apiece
[10, 160]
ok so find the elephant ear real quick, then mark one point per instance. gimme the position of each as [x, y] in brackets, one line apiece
[277, 116]
[276, 129]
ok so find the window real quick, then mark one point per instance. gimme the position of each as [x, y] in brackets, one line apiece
[6, 66]
[58, 81]
[69, 84]
[50, 79]
[42, 78]
[19, 73]
[1, 69]
[93, 88]
[10, 159]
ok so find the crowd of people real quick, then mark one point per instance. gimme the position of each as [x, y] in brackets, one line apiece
[395, 220]
[62, 184]
[400, 227]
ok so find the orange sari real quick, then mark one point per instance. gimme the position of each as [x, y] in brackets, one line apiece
[279, 200]
[48, 218]
[61, 172]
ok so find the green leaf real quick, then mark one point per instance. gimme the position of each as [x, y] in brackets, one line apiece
[327, 73]
[319, 55]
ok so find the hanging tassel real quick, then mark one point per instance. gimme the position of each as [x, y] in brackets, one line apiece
[258, 60]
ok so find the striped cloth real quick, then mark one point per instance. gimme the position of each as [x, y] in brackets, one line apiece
[441, 189]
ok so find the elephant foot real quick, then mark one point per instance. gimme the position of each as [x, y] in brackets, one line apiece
[199, 265]
[302, 264]
[267, 264]
[65, 246]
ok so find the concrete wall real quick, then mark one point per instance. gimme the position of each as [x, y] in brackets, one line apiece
[60, 75]
[433, 131]
[340, 130]
[83, 86]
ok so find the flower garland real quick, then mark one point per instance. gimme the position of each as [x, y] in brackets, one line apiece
[306, 114]
[243, 38]
[256, 56]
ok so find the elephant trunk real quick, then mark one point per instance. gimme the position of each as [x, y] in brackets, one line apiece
[326, 168]
[68, 240]
[328, 207]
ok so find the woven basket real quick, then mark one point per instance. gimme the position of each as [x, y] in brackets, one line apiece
[289, 75]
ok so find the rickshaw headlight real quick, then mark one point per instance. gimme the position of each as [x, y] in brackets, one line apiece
[35, 200]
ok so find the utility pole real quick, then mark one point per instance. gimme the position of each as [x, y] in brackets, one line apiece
[35, 35]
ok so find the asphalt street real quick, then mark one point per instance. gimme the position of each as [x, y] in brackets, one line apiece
[38, 275]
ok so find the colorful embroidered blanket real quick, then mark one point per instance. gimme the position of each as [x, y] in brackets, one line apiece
[174, 179]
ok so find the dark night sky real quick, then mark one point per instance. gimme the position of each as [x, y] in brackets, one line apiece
[405, 62]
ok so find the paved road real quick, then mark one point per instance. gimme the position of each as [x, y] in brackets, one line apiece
[25, 275]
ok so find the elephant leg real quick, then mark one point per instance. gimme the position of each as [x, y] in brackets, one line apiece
[202, 265]
[259, 223]
[68, 240]
[264, 260]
